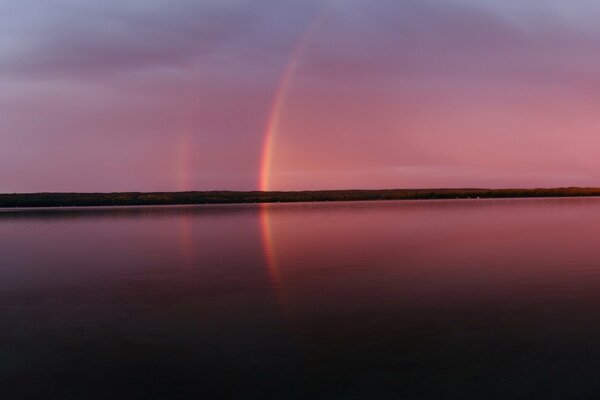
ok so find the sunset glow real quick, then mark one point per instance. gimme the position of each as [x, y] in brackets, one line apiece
[304, 199]
[291, 95]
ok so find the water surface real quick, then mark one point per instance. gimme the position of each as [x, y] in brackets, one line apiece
[401, 299]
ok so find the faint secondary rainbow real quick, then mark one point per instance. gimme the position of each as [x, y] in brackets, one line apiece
[184, 152]
[274, 119]
[184, 162]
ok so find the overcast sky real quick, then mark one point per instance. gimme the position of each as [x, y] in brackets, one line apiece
[177, 95]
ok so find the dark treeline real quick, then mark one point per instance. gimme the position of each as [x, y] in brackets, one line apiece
[228, 197]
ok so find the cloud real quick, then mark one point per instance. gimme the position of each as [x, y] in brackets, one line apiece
[96, 95]
[73, 38]
[465, 41]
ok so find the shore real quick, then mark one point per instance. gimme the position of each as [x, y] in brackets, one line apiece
[231, 197]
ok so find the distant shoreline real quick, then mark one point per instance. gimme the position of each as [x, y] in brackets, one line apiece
[237, 197]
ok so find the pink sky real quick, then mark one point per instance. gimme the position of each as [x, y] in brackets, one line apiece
[179, 95]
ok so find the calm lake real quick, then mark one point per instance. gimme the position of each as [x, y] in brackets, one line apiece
[477, 299]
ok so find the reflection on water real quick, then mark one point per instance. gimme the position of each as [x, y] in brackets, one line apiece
[424, 299]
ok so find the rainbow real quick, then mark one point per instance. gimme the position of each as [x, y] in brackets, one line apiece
[274, 118]
[184, 159]
[272, 128]
[268, 246]
[184, 155]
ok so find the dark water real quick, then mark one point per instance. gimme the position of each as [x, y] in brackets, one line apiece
[479, 299]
